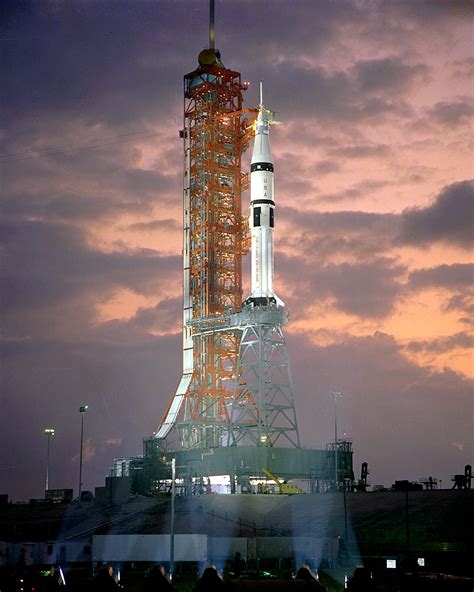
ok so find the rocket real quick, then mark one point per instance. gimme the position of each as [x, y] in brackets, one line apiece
[262, 212]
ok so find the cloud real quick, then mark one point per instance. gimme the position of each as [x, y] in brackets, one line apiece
[88, 452]
[127, 382]
[463, 302]
[363, 151]
[443, 344]
[449, 277]
[155, 225]
[365, 289]
[389, 74]
[448, 218]
[354, 193]
[337, 96]
[86, 186]
[464, 68]
[47, 263]
[325, 167]
[163, 317]
[65, 208]
[438, 10]
[344, 221]
[453, 114]
[88, 79]
[390, 406]
[328, 235]
[367, 234]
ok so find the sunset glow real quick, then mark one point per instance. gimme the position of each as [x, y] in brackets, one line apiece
[373, 239]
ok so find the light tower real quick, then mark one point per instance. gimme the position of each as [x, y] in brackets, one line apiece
[82, 409]
[336, 395]
[49, 433]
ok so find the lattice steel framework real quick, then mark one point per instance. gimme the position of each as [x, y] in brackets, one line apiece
[216, 132]
[263, 406]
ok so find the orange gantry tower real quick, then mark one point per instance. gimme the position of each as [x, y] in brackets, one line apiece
[216, 132]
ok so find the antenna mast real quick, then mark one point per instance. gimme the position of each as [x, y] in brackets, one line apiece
[212, 30]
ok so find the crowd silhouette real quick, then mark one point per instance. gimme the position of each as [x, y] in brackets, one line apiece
[157, 580]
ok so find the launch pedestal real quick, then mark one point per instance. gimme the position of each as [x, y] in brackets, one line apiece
[263, 407]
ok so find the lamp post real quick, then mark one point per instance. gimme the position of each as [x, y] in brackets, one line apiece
[335, 395]
[173, 496]
[49, 433]
[82, 409]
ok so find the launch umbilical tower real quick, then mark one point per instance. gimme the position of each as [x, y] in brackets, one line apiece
[216, 132]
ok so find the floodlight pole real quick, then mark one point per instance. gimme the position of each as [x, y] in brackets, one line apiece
[335, 395]
[173, 495]
[407, 522]
[49, 433]
[82, 410]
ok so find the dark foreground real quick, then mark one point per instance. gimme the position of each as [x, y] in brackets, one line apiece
[35, 579]
[423, 534]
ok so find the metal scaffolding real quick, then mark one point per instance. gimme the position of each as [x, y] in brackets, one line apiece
[263, 406]
[216, 132]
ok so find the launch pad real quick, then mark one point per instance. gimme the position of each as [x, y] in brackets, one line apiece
[246, 463]
[233, 412]
[239, 467]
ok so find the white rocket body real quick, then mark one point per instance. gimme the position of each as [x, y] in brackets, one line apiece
[262, 214]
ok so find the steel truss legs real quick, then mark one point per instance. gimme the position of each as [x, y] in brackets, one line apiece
[263, 407]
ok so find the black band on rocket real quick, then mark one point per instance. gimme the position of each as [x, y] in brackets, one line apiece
[262, 201]
[261, 166]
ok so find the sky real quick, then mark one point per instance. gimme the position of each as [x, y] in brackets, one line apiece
[374, 191]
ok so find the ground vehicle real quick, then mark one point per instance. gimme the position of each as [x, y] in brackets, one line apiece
[284, 488]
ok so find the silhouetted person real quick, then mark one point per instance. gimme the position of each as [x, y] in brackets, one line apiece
[156, 581]
[104, 580]
[237, 560]
[209, 581]
[360, 580]
[304, 573]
